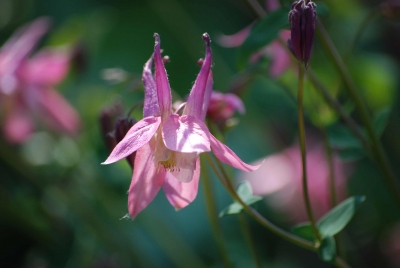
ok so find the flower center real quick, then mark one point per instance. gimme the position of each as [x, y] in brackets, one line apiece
[169, 165]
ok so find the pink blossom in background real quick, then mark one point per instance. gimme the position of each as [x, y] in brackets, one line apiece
[280, 180]
[27, 92]
[280, 58]
[223, 106]
[168, 145]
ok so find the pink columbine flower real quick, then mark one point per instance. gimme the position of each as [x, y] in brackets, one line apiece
[280, 180]
[27, 85]
[280, 59]
[223, 106]
[168, 145]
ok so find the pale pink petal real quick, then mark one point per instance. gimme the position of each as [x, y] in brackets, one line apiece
[146, 181]
[186, 134]
[181, 194]
[137, 136]
[236, 39]
[227, 156]
[183, 175]
[17, 126]
[185, 160]
[194, 104]
[163, 88]
[150, 107]
[235, 102]
[57, 111]
[47, 68]
[21, 44]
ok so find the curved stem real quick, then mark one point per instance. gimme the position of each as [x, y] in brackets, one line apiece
[213, 216]
[377, 148]
[375, 12]
[258, 9]
[302, 141]
[222, 175]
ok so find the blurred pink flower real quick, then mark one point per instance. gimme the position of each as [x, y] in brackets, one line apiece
[27, 85]
[390, 245]
[167, 144]
[280, 58]
[223, 106]
[280, 179]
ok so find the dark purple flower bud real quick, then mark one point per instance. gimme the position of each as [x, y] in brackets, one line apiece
[391, 9]
[302, 20]
[122, 127]
[107, 123]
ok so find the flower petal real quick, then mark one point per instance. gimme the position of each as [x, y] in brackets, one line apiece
[186, 162]
[181, 194]
[151, 107]
[163, 88]
[186, 134]
[146, 181]
[235, 39]
[207, 96]
[49, 67]
[57, 111]
[194, 104]
[227, 156]
[21, 44]
[137, 136]
[17, 126]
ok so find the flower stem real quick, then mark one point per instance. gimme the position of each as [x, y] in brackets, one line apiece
[213, 217]
[257, 8]
[222, 176]
[302, 141]
[377, 149]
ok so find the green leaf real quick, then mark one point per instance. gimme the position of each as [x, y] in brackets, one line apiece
[341, 137]
[246, 194]
[381, 120]
[352, 154]
[262, 33]
[336, 219]
[304, 230]
[327, 249]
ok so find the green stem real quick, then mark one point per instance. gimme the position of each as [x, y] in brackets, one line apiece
[247, 233]
[213, 217]
[375, 12]
[377, 149]
[222, 176]
[302, 141]
[334, 104]
[257, 216]
[257, 8]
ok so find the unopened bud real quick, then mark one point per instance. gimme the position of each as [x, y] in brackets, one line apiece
[302, 18]
[122, 127]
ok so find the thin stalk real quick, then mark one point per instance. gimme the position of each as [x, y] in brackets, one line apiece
[247, 234]
[213, 217]
[257, 8]
[329, 160]
[302, 141]
[372, 14]
[362, 110]
[333, 103]
[222, 176]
